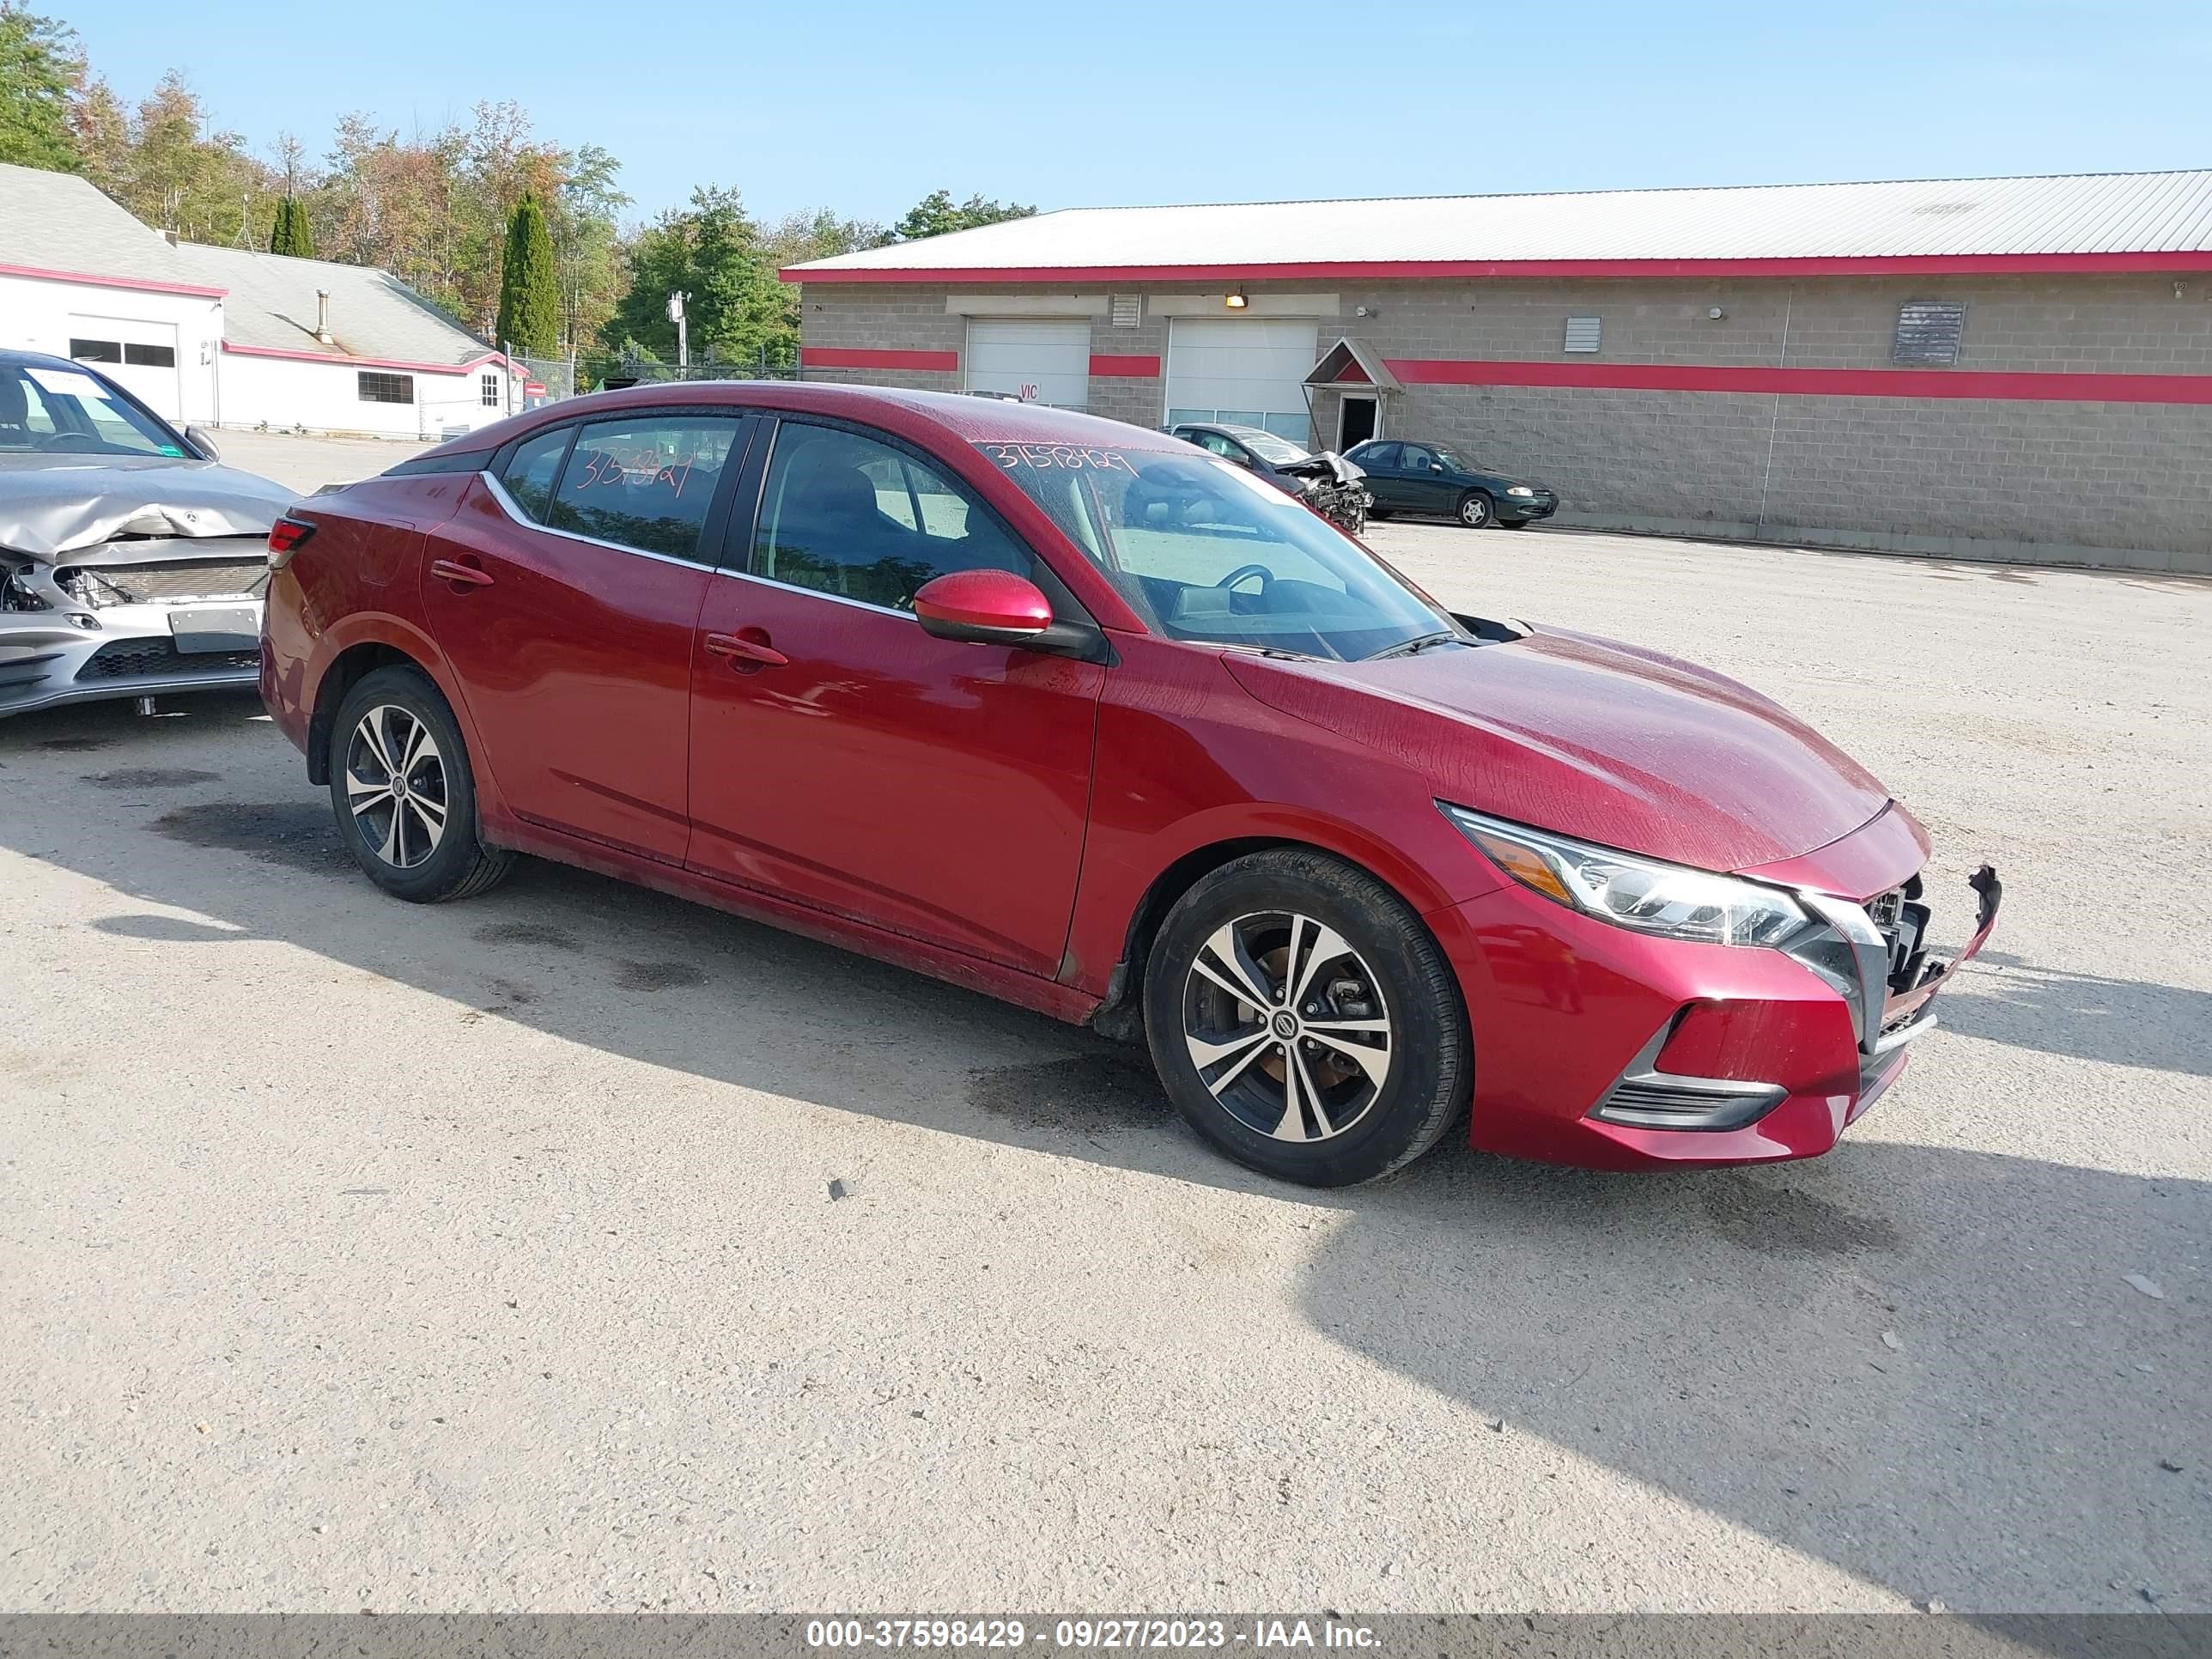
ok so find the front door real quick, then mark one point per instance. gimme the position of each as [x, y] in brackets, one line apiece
[842, 758]
[1355, 422]
[1421, 485]
[566, 594]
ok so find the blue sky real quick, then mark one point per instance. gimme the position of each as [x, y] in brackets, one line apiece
[867, 106]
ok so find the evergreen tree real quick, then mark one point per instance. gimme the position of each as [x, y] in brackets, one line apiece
[39, 63]
[292, 234]
[529, 290]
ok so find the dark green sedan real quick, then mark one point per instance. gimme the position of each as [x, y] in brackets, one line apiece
[1404, 476]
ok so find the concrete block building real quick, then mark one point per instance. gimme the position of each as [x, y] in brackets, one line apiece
[2008, 368]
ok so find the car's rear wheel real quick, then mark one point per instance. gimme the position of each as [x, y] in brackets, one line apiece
[1303, 1021]
[1476, 510]
[1513, 524]
[403, 793]
[1379, 512]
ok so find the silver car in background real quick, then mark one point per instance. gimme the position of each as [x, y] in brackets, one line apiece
[132, 563]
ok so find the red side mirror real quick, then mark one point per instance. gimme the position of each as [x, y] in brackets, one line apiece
[989, 607]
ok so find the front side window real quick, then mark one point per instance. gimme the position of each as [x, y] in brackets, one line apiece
[532, 470]
[1203, 551]
[645, 482]
[66, 412]
[380, 388]
[845, 515]
[1414, 459]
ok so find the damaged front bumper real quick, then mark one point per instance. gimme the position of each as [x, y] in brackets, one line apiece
[101, 626]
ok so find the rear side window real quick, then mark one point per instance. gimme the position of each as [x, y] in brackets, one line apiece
[533, 467]
[645, 482]
[847, 515]
[1377, 455]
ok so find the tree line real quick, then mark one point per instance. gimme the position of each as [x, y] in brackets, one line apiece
[521, 240]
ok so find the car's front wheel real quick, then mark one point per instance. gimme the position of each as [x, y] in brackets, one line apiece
[1304, 1021]
[1476, 510]
[403, 793]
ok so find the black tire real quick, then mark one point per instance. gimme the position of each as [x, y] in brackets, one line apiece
[1379, 512]
[1513, 524]
[1476, 510]
[459, 864]
[1396, 972]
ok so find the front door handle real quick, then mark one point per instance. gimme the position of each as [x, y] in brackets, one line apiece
[466, 575]
[743, 650]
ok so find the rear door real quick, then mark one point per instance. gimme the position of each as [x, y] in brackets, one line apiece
[566, 594]
[842, 758]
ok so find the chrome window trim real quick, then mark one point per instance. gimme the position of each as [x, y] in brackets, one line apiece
[514, 511]
[819, 593]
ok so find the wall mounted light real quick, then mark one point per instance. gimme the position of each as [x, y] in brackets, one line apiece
[1716, 313]
[1235, 300]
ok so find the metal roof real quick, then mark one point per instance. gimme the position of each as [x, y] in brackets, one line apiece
[2070, 221]
[372, 314]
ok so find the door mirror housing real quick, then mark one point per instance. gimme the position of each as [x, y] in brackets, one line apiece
[203, 440]
[996, 607]
[988, 607]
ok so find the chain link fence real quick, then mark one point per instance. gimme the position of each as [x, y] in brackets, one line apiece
[609, 371]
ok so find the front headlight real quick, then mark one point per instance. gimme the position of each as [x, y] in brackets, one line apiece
[1669, 901]
[1519, 489]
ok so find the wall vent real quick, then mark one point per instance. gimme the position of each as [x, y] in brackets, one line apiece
[1583, 333]
[1128, 309]
[1929, 332]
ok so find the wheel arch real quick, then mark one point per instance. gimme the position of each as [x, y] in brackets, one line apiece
[374, 641]
[1120, 1015]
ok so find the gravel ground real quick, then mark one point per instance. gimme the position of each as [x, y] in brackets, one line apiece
[483, 1256]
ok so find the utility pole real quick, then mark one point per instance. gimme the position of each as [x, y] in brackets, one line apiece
[683, 340]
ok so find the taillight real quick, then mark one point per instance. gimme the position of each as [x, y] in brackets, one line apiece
[286, 537]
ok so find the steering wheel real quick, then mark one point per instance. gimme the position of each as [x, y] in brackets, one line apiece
[1267, 576]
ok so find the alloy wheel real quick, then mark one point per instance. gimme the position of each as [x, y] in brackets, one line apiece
[1475, 512]
[1287, 1026]
[395, 781]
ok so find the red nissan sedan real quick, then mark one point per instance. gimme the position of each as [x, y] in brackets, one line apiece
[1084, 718]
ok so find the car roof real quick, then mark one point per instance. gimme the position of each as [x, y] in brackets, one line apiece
[954, 415]
[38, 360]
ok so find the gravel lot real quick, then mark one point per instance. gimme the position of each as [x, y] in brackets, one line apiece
[483, 1257]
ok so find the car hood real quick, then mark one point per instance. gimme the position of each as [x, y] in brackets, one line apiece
[1593, 738]
[52, 504]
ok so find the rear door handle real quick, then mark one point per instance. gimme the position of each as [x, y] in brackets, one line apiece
[445, 570]
[736, 646]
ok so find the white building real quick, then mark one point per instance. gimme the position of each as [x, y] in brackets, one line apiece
[230, 337]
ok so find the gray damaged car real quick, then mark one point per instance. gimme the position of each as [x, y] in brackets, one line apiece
[132, 563]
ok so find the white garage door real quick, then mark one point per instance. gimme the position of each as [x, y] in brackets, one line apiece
[1250, 372]
[1041, 361]
[139, 356]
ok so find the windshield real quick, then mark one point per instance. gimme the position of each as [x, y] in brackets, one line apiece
[66, 412]
[1281, 452]
[1202, 551]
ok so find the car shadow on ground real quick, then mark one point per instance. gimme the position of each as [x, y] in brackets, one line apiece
[2127, 1021]
[1796, 1350]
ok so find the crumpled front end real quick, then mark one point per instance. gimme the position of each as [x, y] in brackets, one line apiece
[130, 618]
[1599, 1046]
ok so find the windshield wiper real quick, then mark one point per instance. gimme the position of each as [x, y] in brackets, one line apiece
[1414, 647]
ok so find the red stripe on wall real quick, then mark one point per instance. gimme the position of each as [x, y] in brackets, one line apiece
[40, 274]
[1902, 265]
[1125, 368]
[844, 357]
[1813, 382]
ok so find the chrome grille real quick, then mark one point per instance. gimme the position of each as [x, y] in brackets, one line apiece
[166, 583]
